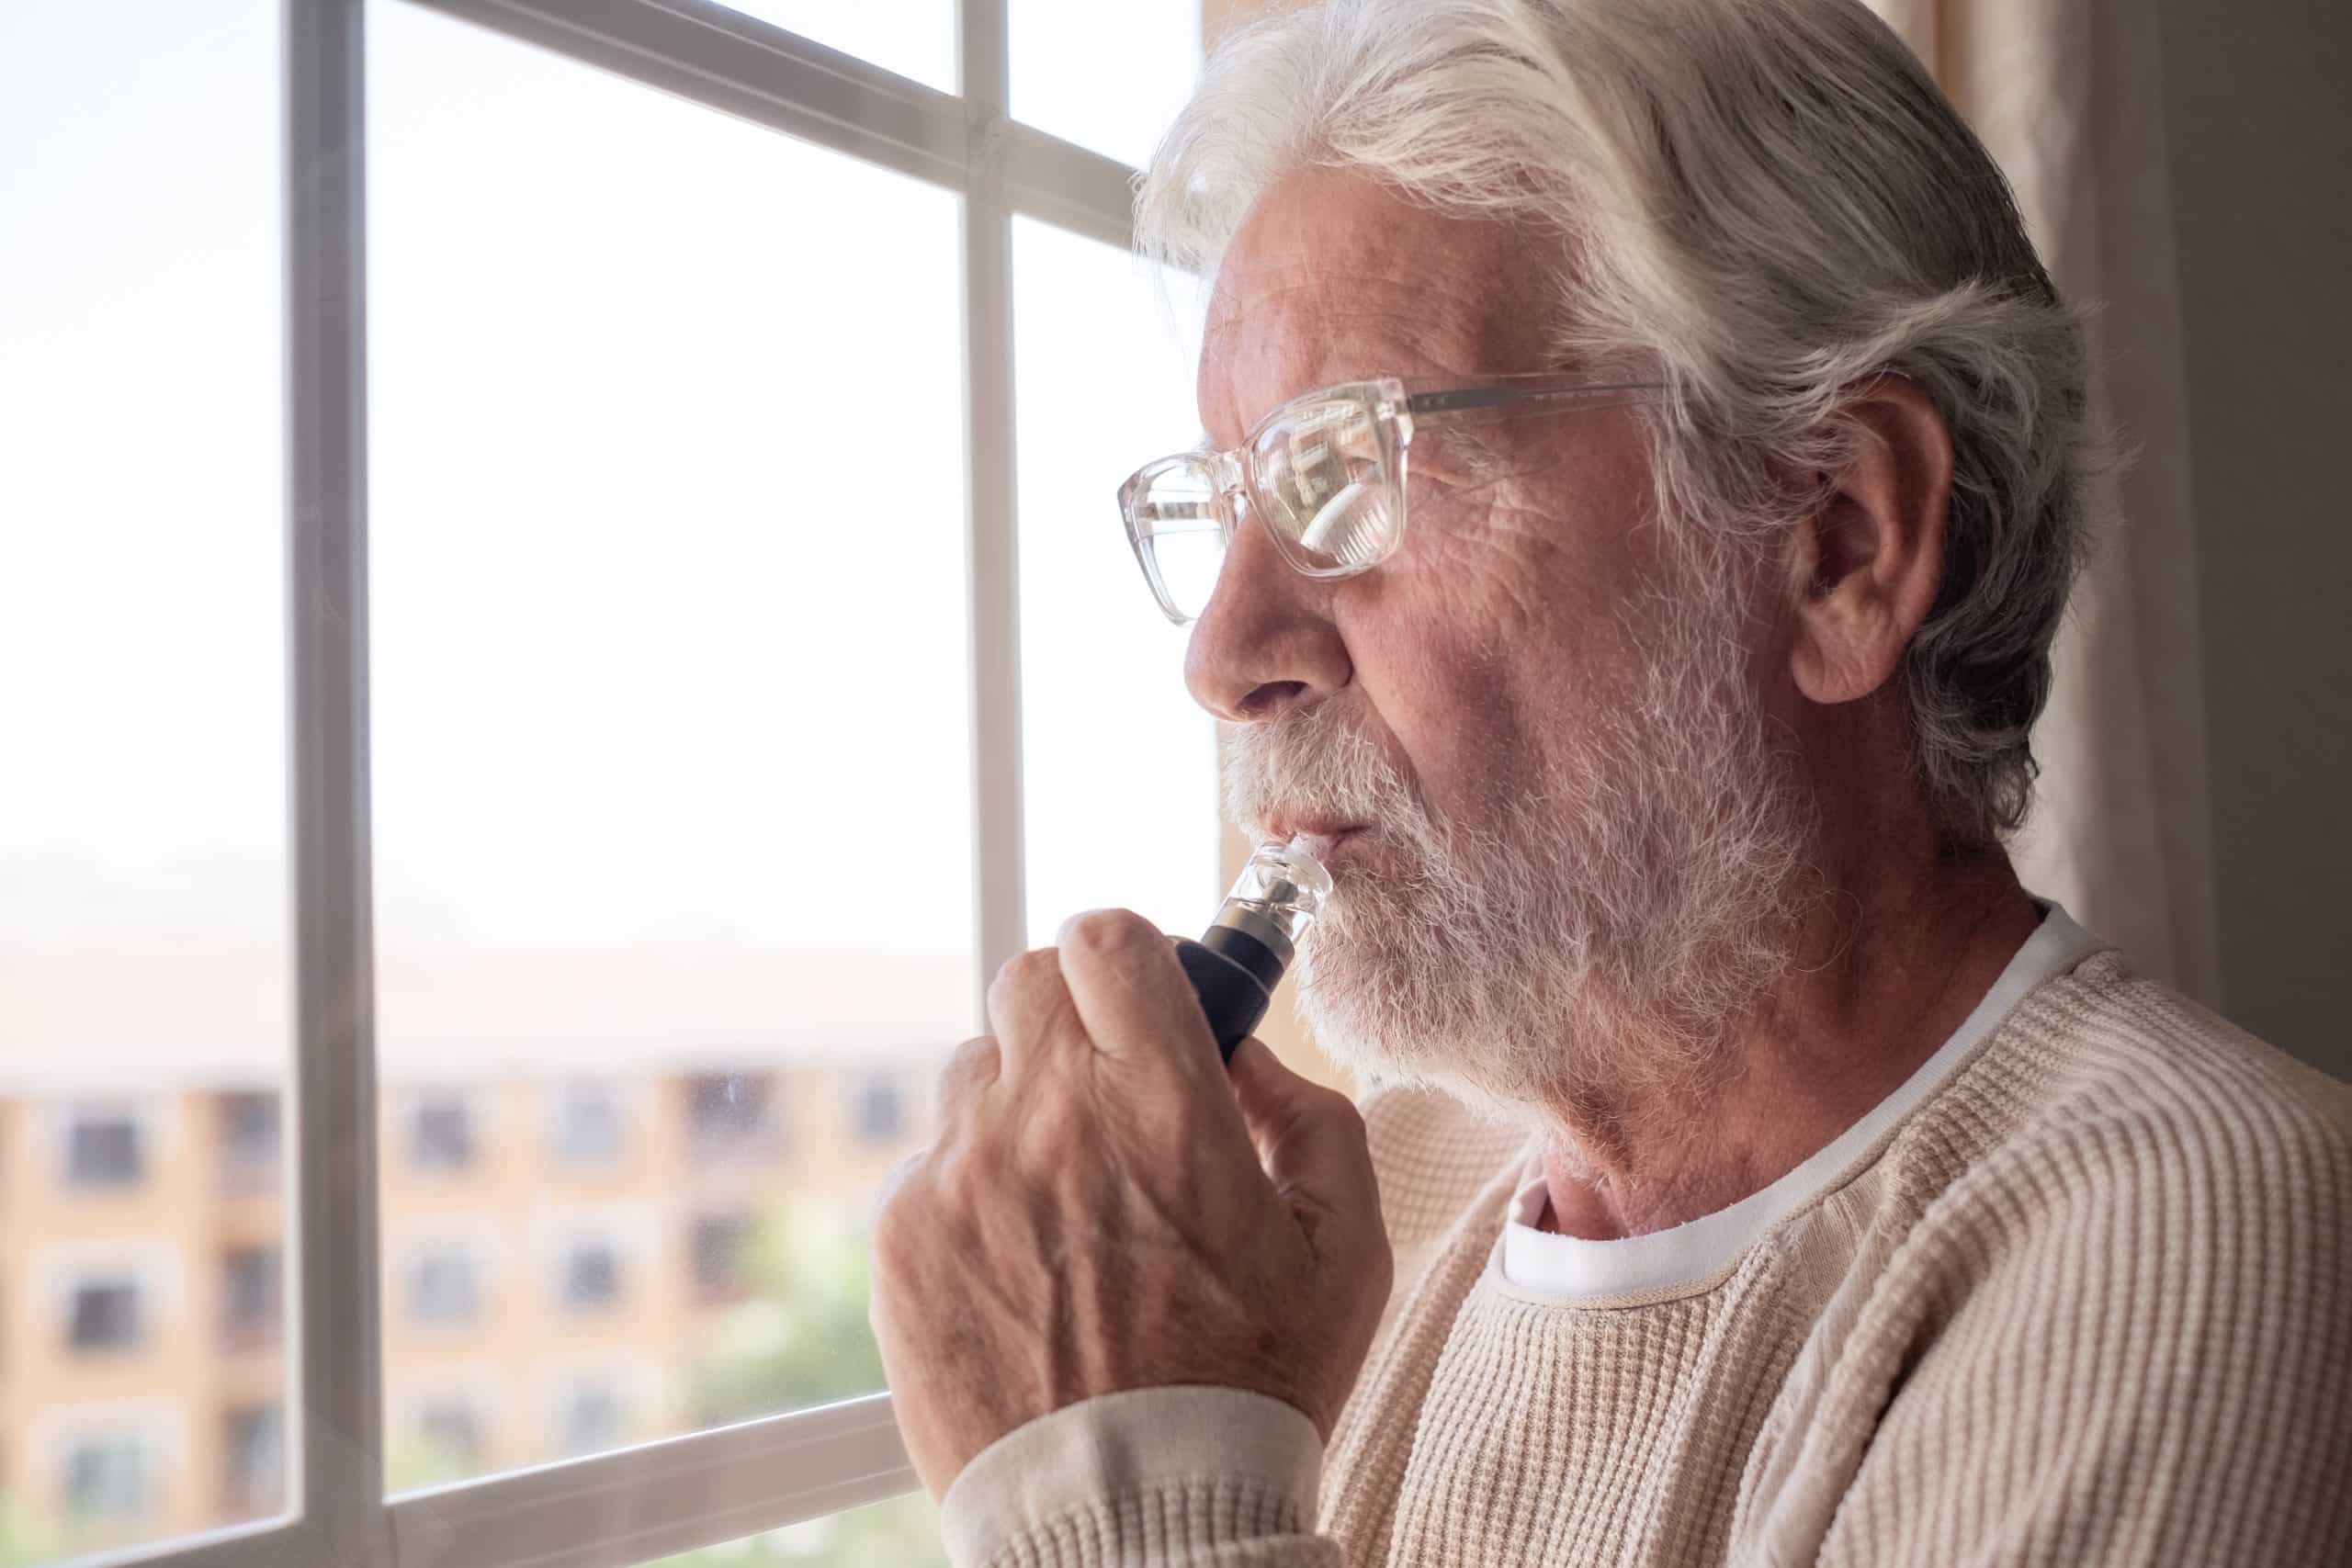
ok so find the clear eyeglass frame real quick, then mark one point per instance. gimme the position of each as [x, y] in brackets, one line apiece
[1324, 473]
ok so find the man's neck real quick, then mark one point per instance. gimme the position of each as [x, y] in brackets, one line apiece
[1888, 975]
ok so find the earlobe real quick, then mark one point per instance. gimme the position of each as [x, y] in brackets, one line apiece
[1865, 567]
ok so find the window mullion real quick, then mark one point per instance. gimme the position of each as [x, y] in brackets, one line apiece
[992, 544]
[338, 1394]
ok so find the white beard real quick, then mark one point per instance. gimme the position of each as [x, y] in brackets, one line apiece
[1605, 935]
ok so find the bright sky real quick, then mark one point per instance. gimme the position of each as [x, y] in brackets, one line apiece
[666, 493]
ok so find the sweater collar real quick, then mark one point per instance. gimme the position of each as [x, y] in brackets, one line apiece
[1568, 1268]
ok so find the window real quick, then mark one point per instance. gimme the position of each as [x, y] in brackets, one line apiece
[720, 1244]
[106, 1479]
[102, 1149]
[145, 885]
[254, 1481]
[251, 1309]
[444, 1287]
[592, 1275]
[731, 1116]
[441, 1133]
[521, 485]
[878, 1109]
[588, 1418]
[249, 1154]
[587, 1124]
[105, 1316]
[452, 1435]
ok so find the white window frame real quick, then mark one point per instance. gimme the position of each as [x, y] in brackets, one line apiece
[645, 1501]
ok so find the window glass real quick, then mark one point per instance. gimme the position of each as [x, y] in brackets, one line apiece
[672, 745]
[900, 1532]
[1113, 89]
[1119, 764]
[913, 38]
[102, 1148]
[144, 967]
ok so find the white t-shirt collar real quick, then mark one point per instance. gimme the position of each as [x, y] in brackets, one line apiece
[1567, 1266]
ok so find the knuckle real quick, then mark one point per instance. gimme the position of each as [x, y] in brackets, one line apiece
[1024, 971]
[972, 1062]
[1106, 931]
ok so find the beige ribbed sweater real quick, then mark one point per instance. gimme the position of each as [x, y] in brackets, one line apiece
[2088, 1301]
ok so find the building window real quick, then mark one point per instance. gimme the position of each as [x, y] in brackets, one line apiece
[105, 1315]
[252, 1303]
[589, 1419]
[721, 1258]
[592, 1275]
[248, 1141]
[453, 1434]
[732, 1115]
[254, 1481]
[587, 1123]
[441, 1133]
[106, 1479]
[444, 1287]
[102, 1149]
[878, 1109]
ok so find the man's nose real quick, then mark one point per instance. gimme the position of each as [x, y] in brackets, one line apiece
[1266, 642]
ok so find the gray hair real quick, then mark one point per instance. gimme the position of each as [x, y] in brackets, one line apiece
[1766, 203]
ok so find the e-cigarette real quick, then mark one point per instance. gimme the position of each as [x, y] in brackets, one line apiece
[1240, 958]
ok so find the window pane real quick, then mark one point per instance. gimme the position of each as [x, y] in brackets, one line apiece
[1113, 89]
[913, 38]
[671, 743]
[144, 967]
[1118, 763]
[900, 1532]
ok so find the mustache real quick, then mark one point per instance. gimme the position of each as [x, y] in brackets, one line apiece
[1312, 761]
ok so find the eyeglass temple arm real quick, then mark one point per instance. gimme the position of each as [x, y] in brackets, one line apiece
[1466, 400]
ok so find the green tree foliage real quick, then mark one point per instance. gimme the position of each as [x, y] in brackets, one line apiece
[801, 1339]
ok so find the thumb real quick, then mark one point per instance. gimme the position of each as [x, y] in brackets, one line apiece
[1311, 1141]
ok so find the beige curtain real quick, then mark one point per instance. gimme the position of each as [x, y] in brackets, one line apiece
[2065, 95]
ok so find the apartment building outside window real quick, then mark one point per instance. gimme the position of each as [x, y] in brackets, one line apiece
[102, 1148]
[105, 1316]
[588, 1418]
[591, 1274]
[254, 1479]
[441, 1132]
[877, 1108]
[453, 1433]
[445, 1286]
[106, 1478]
[252, 1298]
[588, 1130]
[732, 1116]
[721, 1245]
[249, 1140]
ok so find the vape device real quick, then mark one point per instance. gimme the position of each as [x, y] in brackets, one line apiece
[1240, 958]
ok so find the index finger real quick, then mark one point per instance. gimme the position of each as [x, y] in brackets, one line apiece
[1132, 995]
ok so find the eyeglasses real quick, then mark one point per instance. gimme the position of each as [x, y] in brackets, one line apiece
[1325, 474]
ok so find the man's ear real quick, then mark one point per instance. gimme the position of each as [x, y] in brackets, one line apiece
[1867, 565]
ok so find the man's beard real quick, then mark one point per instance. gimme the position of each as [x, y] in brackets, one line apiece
[1603, 938]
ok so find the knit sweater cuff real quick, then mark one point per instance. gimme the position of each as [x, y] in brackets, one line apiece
[1151, 1474]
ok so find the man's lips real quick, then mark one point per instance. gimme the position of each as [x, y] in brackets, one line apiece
[1317, 837]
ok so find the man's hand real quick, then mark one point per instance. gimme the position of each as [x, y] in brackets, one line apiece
[1104, 1207]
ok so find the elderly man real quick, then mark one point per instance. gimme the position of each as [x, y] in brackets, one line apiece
[1642, 484]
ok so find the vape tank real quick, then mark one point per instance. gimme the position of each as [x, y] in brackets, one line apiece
[1240, 958]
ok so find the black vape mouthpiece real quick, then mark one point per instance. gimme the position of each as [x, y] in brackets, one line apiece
[1240, 958]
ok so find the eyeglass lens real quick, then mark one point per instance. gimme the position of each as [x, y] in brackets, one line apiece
[1322, 482]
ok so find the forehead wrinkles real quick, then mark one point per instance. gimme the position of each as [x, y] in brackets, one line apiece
[1324, 285]
[1284, 328]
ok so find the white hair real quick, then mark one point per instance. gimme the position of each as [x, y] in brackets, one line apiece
[1766, 204]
